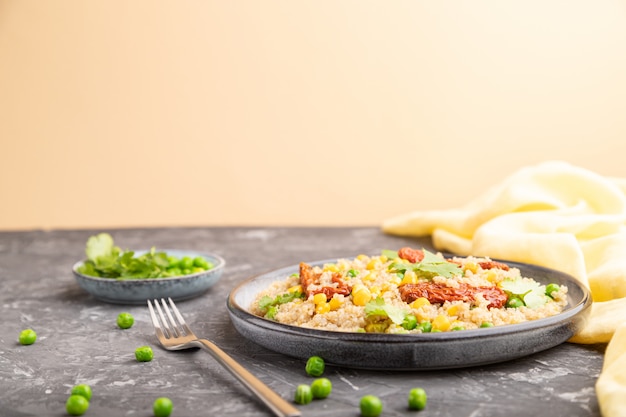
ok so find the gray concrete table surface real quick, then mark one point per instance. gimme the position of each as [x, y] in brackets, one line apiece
[79, 341]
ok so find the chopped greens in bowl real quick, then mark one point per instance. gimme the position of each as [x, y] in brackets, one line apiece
[131, 277]
[106, 260]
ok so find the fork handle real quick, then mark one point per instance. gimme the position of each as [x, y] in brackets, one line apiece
[275, 402]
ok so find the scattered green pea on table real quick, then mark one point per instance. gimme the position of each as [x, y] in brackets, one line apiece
[162, 407]
[315, 366]
[82, 389]
[144, 354]
[125, 320]
[303, 394]
[417, 399]
[370, 406]
[27, 337]
[321, 388]
[76, 405]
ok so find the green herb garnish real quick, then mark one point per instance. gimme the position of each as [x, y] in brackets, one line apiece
[429, 267]
[269, 305]
[377, 307]
[390, 254]
[106, 260]
[532, 293]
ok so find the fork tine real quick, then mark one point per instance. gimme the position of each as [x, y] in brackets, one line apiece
[155, 321]
[170, 329]
[181, 319]
[174, 324]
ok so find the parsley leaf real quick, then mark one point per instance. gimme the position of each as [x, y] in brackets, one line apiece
[377, 307]
[532, 293]
[270, 305]
[429, 267]
[106, 260]
[390, 254]
[99, 246]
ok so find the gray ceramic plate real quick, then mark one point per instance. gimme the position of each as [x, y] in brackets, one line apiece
[137, 291]
[424, 351]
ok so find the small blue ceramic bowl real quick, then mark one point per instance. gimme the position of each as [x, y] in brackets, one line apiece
[137, 291]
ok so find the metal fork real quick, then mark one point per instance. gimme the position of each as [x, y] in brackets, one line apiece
[174, 334]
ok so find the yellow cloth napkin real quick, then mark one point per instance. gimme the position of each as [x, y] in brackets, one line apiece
[559, 216]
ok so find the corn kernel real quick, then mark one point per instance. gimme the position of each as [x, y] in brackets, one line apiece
[375, 290]
[395, 280]
[491, 276]
[363, 257]
[331, 268]
[358, 287]
[420, 302]
[319, 298]
[362, 297]
[295, 288]
[441, 323]
[370, 277]
[409, 278]
[383, 258]
[471, 266]
[322, 308]
[335, 303]
[373, 264]
[422, 317]
[453, 310]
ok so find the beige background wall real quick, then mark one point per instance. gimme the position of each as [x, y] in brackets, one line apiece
[177, 113]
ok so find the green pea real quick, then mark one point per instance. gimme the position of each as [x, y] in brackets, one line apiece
[174, 272]
[409, 322]
[315, 366]
[514, 302]
[27, 337]
[321, 388]
[82, 389]
[486, 324]
[370, 406]
[144, 354]
[186, 263]
[426, 326]
[162, 407]
[303, 394]
[551, 288]
[125, 320]
[457, 328]
[417, 399]
[172, 261]
[353, 273]
[200, 262]
[76, 405]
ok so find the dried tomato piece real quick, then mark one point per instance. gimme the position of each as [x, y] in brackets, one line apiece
[493, 265]
[439, 293]
[411, 255]
[308, 276]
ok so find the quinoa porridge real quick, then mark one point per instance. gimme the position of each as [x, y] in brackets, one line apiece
[408, 291]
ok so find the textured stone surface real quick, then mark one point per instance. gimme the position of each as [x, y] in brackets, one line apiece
[79, 342]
